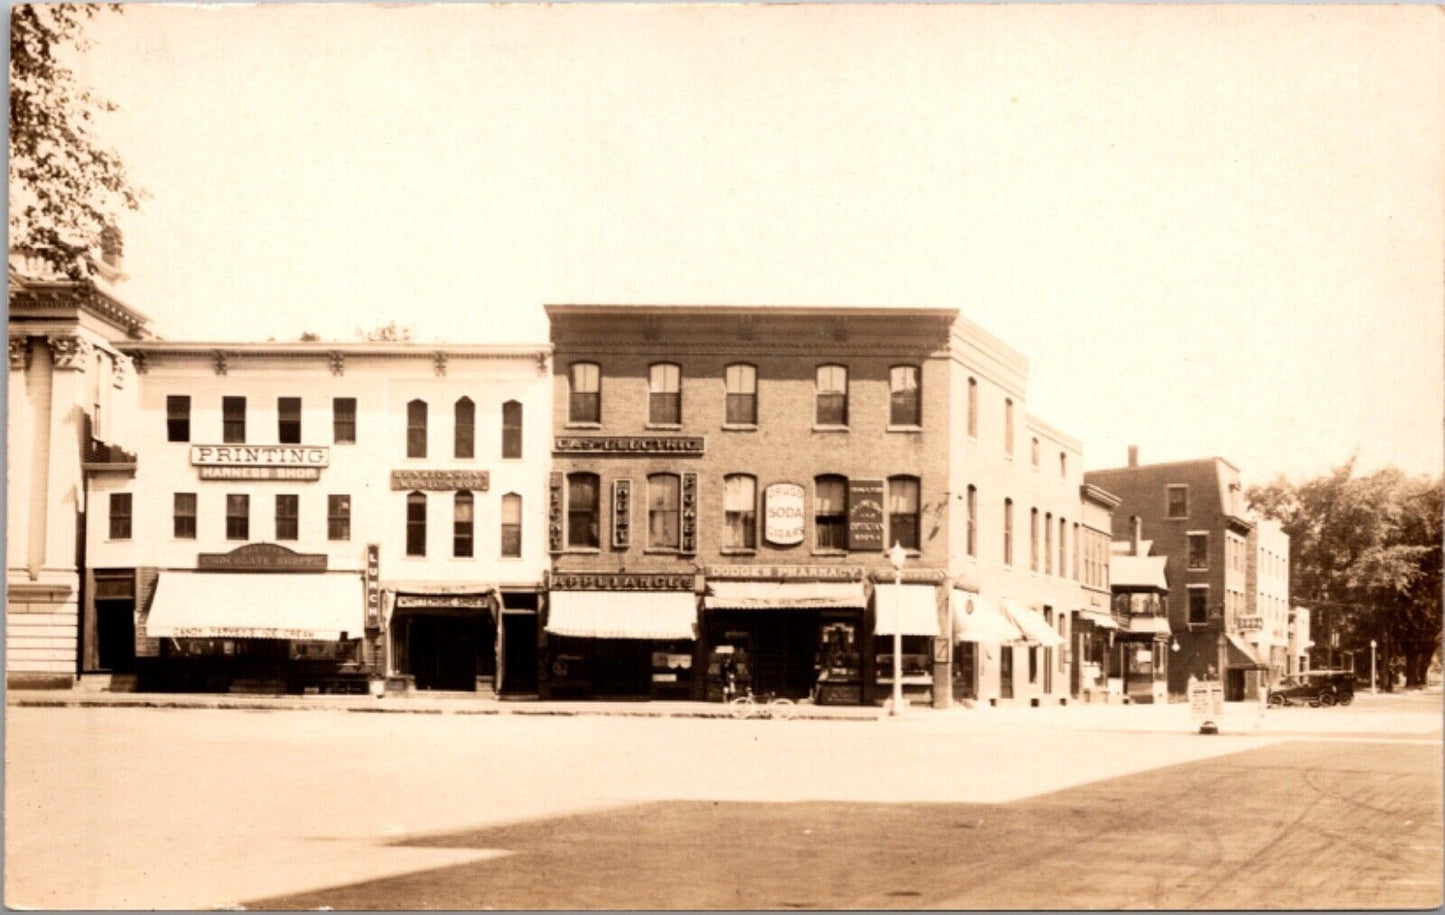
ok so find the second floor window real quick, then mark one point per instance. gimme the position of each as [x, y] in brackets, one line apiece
[1048, 543]
[233, 420]
[741, 382]
[830, 512]
[1008, 427]
[584, 397]
[664, 530]
[178, 418]
[1033, 540]
[288, 420]
[238, 517]
[972, 540]
[343, 420]
[904, 405]
[664, 397]
[416, 524]
[416, 429]
[511, 429]
[511, 525]
[120, 509]
[1199, 605]
[338, 517]
[1199, 551]
[1178, 501]
[903, 512]
[1008, 532]
[1063, 548]
[288, 511]
[582, 511]
[832, 396]
[183, 518]
[465, 439]
[740, 500]
[462, 524]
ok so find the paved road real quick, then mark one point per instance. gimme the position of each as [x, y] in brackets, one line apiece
[203, 808]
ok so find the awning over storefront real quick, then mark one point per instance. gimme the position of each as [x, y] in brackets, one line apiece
[1099, 618]
[244, 605]
[977, 620]
[1149, 625]
[1240, 654]
[657, 615]
[913, 607]
[1031, 624]
[784, 595]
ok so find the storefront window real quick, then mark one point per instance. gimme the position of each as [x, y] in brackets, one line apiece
[462, 525]
[832, 396]
[511, 525]
[830, 512]
[740, 499]
[416, 429]
[903, 512]
[742, 395]
[663, 527]
[584, 403]
[465, 438]
[582, 510]
[416, 524]
[664, 405]
[904, 407]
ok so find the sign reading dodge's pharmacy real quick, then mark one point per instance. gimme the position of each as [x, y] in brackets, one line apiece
[260, 462]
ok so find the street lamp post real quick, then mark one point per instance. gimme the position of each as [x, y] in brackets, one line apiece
[897, 556]
[1372, 667]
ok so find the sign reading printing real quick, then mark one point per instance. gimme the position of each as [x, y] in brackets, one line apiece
[783, 509]
[260, 456]
[865, 516]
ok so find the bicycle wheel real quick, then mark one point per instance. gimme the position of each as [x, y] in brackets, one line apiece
[782, 708]
[743, 707]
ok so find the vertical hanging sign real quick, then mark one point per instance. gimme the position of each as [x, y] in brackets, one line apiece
[689, 513]
[621, 514]
[373, 586]
[554, 512]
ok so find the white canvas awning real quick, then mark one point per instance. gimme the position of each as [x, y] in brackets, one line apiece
[1031, 624]
[913, 607]
[977, 620]
[1100, 618]
[1154, 625]
[784, 595]
[656, 615]
[245, 605]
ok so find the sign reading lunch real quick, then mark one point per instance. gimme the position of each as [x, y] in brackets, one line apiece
[783, 509]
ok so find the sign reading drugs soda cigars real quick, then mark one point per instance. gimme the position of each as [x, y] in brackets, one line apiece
[783, 514]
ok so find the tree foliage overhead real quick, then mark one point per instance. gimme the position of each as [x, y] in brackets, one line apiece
[65, 185]
[1370, 548]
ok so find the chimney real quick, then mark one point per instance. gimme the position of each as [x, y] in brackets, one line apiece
[1133, 455]
[1138, 536]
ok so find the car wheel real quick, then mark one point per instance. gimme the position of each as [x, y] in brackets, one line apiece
[1327, 700]
[1276, 701]
[1347, 699]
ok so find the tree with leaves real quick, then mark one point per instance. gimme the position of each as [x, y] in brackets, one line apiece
[1367, 549]
[66, 187]
[390, 332]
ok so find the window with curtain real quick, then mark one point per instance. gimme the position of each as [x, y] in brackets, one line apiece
[741, 382]
[582, 493]
[664, 389]
[288, 420]
[462, 524]
[416, 524]
[184, 516]
[903, 512]
[512, 429]
[238, 516]
[338, 517]
[511, 526]
[904, 405]
[584, 398]
[178, 418]
[832, 396]
[972, 541]
[465, 429]
[830, 512]
[664, 529]
[740, 499]
[288, 511]
[233, 420]
[416, 429]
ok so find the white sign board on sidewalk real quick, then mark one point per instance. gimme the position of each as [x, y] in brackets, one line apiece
[1206, 701]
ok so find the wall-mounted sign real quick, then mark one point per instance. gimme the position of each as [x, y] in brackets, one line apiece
[259, 473]
[621, 581]
[629, 444]
[1250, 623]
[688, 542]
[910, 576]
[865, 516]
[784, 573]
[261, 557]
[260, 456]
[440, 480]
[373, 585]
[554, 512]
[406, 601]
[621, 514]
[783, 514]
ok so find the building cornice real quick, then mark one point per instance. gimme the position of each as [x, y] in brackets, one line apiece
[1099, 496]
[1038, 425]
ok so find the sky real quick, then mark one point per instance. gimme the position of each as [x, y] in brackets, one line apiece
[1211, 230]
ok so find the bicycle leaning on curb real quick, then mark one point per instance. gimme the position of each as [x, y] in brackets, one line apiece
[767, 705]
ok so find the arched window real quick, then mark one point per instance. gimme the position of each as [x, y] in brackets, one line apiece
[511, 429]
[1033, 540]
[903, 512]
[1063, 464]
[466, 429]
[1063, 548]
[584, 401]
[416, 524]
[511, 526]
[973, 408]
[1034, 453]
[1048, 543]
[416, 429]
[462, 524]
[664, 402]
[832, 396]
[830, 512]
[1008, 532]
[1008, 427]
[740, 512]
[582, 491]
[905, 407]
[741, 382]
[664, 528]
[972, 541]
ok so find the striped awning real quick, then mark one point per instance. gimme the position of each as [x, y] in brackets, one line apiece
[656, 615]
[1031, 624]
[907, 609]
[975, 619]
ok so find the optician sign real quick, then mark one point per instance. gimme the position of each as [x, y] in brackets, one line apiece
[783, 514]
[260, 462]
[865, 516]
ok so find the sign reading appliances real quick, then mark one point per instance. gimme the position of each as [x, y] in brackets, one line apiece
[783, 507]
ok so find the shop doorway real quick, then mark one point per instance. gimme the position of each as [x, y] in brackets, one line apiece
[1006, 672]
[111, 640]
[965, 670]
[781, 646]
[442, 652]
[519, 652]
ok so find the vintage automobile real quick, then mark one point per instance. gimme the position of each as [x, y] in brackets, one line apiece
[1315, 688]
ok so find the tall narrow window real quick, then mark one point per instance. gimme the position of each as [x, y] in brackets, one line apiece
[465, 428]
[1034, 453]
[663, 528]
[178, 418]
[1199, 550]
[903, 512]
[1178, 501]
[664, 399]
[741, 382]
[512, 429]
[338, 517]
[973, 408]
[511, 526]
[238, 516]
[288, 511]
[582, 493]
[1008, 532]
[183, 518]
[904, 404]
[462, 523]
[233, 420]
[120, 510]
[832, 396]
[1076, 551]
[1199, 604]
[584, 401]
[1008, 427]
[343, 420]
[972, 541]
[830, 512]
[1048, 543]
[1033, 540]
[416, 429]
[1063, 464]
[740, 500]
[288, 420]
[1063, 549]
[416, 524]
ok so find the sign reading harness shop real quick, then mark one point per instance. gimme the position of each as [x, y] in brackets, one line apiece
[260, 462]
